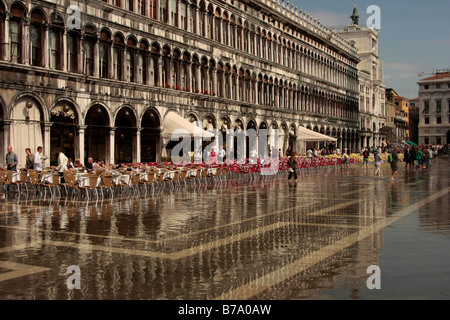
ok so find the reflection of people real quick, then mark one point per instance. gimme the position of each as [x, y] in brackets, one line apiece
[253, 155]
[197, 156]
[212, 155]
[221, 154]
[346, 158]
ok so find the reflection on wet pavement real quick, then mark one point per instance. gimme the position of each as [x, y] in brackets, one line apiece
[270, 239]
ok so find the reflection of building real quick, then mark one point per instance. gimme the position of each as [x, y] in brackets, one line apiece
[371, 84]
[434, 113]
[414, 120]
[105, 89]
[401, 120]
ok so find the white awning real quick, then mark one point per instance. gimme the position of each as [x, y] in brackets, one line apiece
[173, 121]
[304, 134]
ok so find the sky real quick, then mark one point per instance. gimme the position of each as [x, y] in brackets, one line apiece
[414, 35]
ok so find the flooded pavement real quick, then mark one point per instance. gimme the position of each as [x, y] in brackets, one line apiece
[265, 240]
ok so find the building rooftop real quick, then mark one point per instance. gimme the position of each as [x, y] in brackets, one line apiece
[438, 76]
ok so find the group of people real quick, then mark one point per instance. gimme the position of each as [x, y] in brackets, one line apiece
[33, 161]
[36, 161]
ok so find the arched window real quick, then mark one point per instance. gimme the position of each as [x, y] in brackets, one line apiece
[252, 40]
[141, 7]
[201, 19]
[211, 78]
[253, 87]
[192, 19]
[152, 9]
[103, 53]
[88, 50]
[16, 22]
[247, 86]
[245, 47]
[225, 29]
[210, 22]
[194, 74]
[260, 90]
[37, 38]
[232, 32]
[174, 12]
[220, 83]
[234, 84]
[227, 82]
[185, 81]
[118, 57]
[131, 60]
[155, 58]
[241, 85]
[165, 77]
[176, 62]
[2, 28]
[263, 45]
[258, 43]
[163, 11]
[129, 5]
[217, 26]
[73, 43]
[183, 17]
[203, 76]
[141, 75]
[55, 42]
[239, 36]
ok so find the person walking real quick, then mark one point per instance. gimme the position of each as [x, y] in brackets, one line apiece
[11, 160]
[393, 158]
[292, 166]
[419, 156]
[38, 160]
[378, 161]
[29, 163]
[366, 157]
[62, 163]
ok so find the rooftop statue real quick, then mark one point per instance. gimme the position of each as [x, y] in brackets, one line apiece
[355, 16]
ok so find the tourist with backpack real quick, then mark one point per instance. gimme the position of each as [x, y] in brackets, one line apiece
[393, 158]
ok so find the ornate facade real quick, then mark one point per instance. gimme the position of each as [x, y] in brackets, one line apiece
[434, 108]
[99, 78]
[372, 100]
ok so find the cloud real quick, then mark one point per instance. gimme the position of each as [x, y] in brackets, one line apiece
[445, 42]
[400, 70]
[331, 19]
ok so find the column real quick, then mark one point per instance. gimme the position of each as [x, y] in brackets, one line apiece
[46, 46]
[26, 44]
[47, 150]
[80, 56]
[137, 149]
[112, 133]
[64, 54]
[6, 140]
[5, 45]
[95, 57]
[80, 152]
